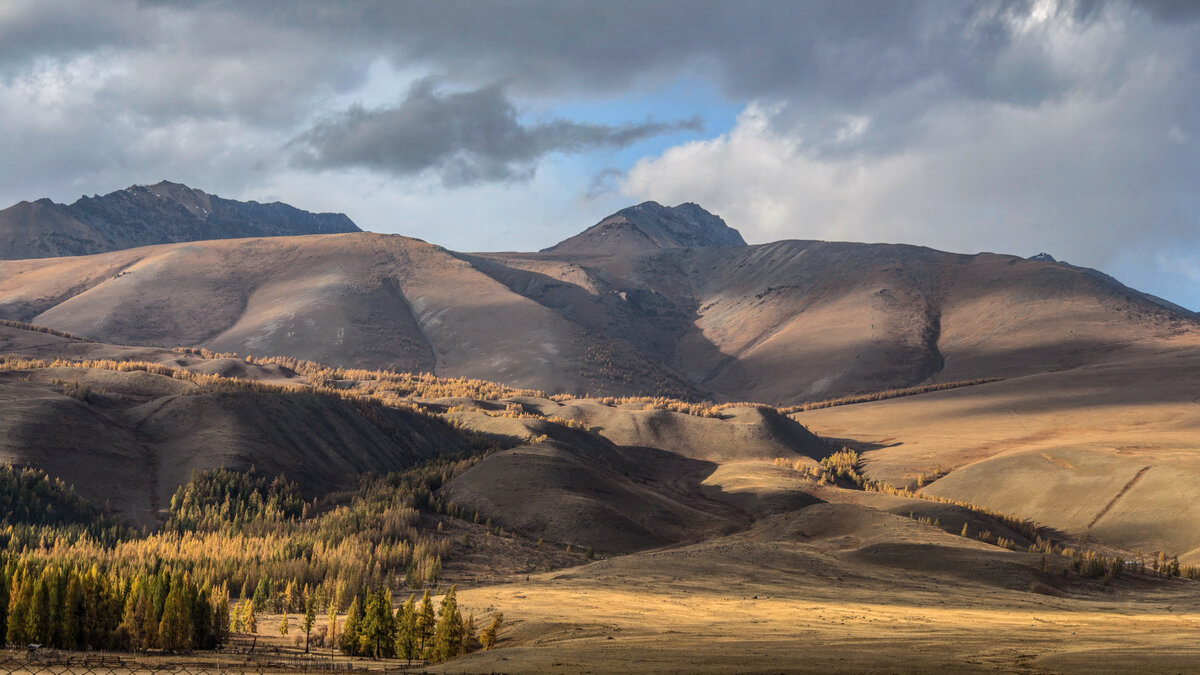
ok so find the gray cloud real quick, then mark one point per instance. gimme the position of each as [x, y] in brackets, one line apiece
[465, 137]
[603, 182]
[1014, 118]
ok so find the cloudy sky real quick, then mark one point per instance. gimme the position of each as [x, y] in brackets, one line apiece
[1019, 126]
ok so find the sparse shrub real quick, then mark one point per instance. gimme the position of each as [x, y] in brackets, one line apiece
[77, 391]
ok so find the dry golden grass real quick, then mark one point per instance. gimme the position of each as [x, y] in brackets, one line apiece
[1106, 452]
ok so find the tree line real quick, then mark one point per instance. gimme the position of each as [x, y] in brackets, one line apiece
[414, 630]
[73, 607]
[253, 537]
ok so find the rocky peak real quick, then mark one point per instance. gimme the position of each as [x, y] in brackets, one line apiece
[650, 226]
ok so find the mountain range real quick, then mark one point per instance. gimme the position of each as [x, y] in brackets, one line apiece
[652, 300]
[935, 440]
[142, 215]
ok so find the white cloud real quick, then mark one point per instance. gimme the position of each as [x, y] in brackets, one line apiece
[1086, 175]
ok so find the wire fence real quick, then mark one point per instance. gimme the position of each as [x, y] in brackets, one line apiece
[53, 662]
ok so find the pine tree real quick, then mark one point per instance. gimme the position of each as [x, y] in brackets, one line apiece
[251, 619]
[138, 616]
[468, 634]
[37, 624]
[159, 591]
[378, 625]
[237, 624]
[350, 633]
[283, 625]
[18, 611]
[331, 634]
[291, 597]
[487, 639]
[310, 617]
[54, 603]
[448, 637]
[220, 616]
[5, 588]
[6, 573]
[262, 594]
[72, 613]
[425, 621]
[175, 628]
[406, 630]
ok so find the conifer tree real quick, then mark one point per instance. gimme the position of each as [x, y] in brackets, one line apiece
[283, 625]
[54, 605]
[71, 613]
[5, 588]
[378, 624]
[331, 634]
[236, 623]
[262, 594]
[138, 617]
[448, 637]
[175, 628]
[406, 630]
[220, 620]
[159, 591]
[310, 617]
[468, 634]
[37, 624]
[425, 621]
[18, 612]
[487, 639]
[352, 629]
[203, 635]
[291, 598]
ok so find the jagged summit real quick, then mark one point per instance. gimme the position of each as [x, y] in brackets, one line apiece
[141, 215]
[649, 226]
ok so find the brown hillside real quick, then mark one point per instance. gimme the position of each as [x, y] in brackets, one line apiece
[779, 323]
[130, 438]
[1105, 451]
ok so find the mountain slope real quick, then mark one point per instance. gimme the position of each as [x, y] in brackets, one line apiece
[362, 300]
[149, 214]
[1105, 451]
[130, 438]
[803, 320]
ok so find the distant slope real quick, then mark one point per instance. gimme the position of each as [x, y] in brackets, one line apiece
[149, 214]
[1105, 451]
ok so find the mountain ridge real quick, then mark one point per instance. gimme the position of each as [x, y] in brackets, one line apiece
[143, 215]
[779, 323]
[652, 300]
